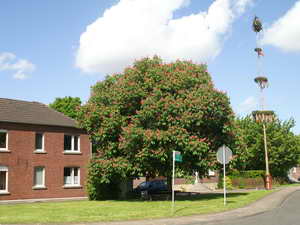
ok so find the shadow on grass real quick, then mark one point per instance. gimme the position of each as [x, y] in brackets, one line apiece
[187, 197]
[208, 196]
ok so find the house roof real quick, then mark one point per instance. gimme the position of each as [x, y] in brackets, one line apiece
[16, 111]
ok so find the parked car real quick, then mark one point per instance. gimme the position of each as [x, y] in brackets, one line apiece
[152, 187]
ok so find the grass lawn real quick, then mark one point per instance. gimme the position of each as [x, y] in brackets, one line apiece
[92, 211]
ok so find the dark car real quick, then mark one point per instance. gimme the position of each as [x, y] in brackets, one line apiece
[152, 187]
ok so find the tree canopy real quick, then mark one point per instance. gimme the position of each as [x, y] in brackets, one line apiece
[282, 144]
[137, 118]
[67, 105]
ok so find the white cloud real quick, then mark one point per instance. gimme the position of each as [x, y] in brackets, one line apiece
[21, 67]
[20, 76]
[133, 29]
[247, 106]
[285, 32]
[241, 5]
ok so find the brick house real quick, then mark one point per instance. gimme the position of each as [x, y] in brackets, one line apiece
[42, 153]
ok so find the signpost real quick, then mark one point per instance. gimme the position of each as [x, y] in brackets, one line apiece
[178, 158]
[224, 156]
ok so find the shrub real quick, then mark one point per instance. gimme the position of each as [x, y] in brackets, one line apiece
[247, 179]
[228, 181]
[189, 179]
[99, 190]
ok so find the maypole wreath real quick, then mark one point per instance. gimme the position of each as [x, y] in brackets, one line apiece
[257, 26]
[262, 82]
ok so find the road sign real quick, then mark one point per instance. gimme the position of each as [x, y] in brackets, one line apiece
[224, 155]
[227, 154]
[178, 157]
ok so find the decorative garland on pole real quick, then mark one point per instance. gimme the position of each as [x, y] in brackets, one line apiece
[261, 116]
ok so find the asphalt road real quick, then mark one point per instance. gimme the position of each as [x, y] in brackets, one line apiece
[288, 213]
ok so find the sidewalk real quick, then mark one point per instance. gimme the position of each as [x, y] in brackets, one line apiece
[267, 203]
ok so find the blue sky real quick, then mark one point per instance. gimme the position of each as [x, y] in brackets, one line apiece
[58, 48]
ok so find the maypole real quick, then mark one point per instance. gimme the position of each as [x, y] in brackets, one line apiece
[260, 79]
[262, 116]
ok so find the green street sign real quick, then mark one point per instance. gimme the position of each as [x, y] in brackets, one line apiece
[178, 157]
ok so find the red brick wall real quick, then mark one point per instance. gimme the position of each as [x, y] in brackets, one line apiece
[21, 161]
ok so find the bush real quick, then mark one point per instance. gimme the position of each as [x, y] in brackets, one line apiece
[102, 191]
[248, 178]
[97, 189]
[228, 181]
[189, 179]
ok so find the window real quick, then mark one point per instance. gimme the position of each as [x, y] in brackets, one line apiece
[71, 176]
[39, 142]
[39, 177]
[3, 140]
[3, 179]
[71, 143]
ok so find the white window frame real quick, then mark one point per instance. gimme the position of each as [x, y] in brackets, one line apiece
[34, 174]
[5, 169]
[72, 177]
[6, 147]
[43, 144]
[72, 144]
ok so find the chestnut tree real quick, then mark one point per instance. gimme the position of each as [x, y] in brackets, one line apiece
[138, 117]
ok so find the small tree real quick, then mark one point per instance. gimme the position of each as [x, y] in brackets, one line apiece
[67, 105]
[137, 118]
